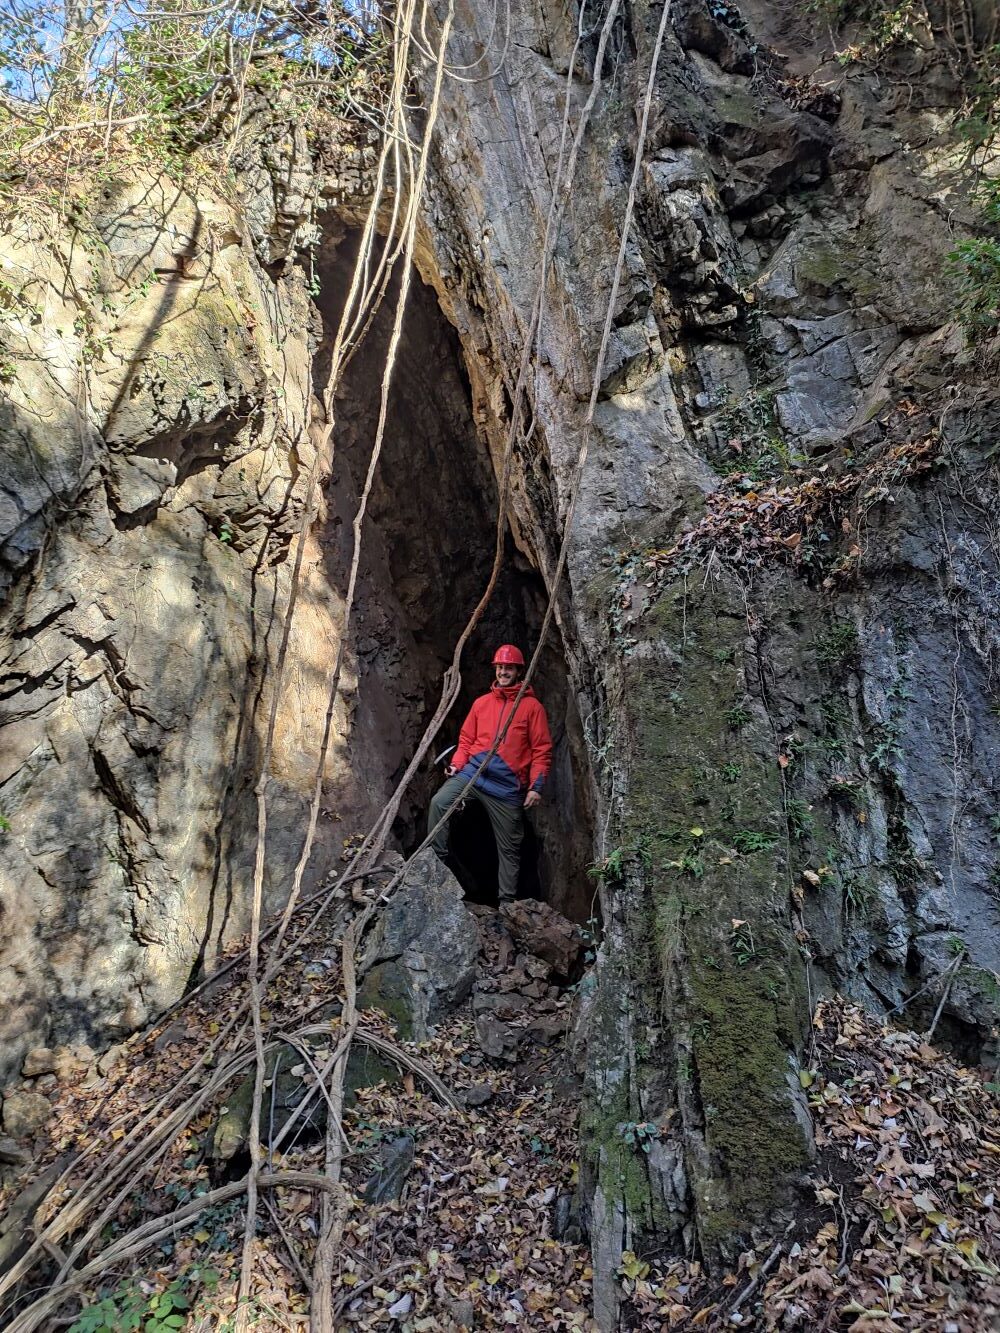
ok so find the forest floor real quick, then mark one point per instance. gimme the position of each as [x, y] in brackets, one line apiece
[471, 1223]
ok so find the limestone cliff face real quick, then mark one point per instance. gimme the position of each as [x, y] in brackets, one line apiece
[154, 432]
[779, 741]
[795, 747]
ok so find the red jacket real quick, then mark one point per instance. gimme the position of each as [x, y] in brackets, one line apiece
[525, 753]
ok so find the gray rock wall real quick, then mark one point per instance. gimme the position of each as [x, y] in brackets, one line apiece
[823, 720]
[165, 366]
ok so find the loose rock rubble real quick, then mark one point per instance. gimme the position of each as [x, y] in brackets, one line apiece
[518, 1001]
[539, 930]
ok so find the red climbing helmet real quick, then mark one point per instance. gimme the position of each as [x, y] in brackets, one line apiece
[508, 655]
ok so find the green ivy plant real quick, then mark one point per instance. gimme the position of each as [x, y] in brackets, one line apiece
[130, 1309]
[640, 1134]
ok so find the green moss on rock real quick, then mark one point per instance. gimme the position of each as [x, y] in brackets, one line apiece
[741, 1045]
[618, 1166]
[735, 1015]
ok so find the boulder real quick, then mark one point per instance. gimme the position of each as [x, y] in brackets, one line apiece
[421, 960]
[11, 1154]
[24, 1113]
[72, 1062]
[289, 1081]
[506, 1008]
[497, 1039]
[110, 1058]
[394, 1166]
[39, 1060]
[541, 931]
[63, 1064]
[546, 1029]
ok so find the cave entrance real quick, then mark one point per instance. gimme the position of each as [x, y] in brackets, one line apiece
[427, 551]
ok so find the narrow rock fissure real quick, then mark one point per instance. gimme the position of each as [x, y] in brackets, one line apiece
[426, 557]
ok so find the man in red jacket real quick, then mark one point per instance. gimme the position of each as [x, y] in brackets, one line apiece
[512, 780]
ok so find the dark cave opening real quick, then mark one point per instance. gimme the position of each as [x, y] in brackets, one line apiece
[426, 556]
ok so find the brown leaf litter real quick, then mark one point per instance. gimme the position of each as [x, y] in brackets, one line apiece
[899, 1232]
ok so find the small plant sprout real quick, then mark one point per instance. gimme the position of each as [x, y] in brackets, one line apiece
[613, 865]
[748, 840]
[690, 860]
[793, 747]
[640, 1134]
[849, 788]
[590, 936]
[886, 750]
[839, 646]
[738, 715]
[799, 815]
[742, 942]
[691, 864]
[859, 893]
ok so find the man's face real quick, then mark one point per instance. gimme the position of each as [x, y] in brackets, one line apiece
[506, 673]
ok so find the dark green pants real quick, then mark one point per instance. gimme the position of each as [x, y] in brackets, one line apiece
[506, 820]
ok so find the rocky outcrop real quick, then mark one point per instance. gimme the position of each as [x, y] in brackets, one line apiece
[155, 431]
[420, 960]
[166, 354]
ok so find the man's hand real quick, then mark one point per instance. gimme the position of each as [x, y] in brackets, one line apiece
[450, 771]
[532, 799]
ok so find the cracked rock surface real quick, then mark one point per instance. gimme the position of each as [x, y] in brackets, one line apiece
[151, 455]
